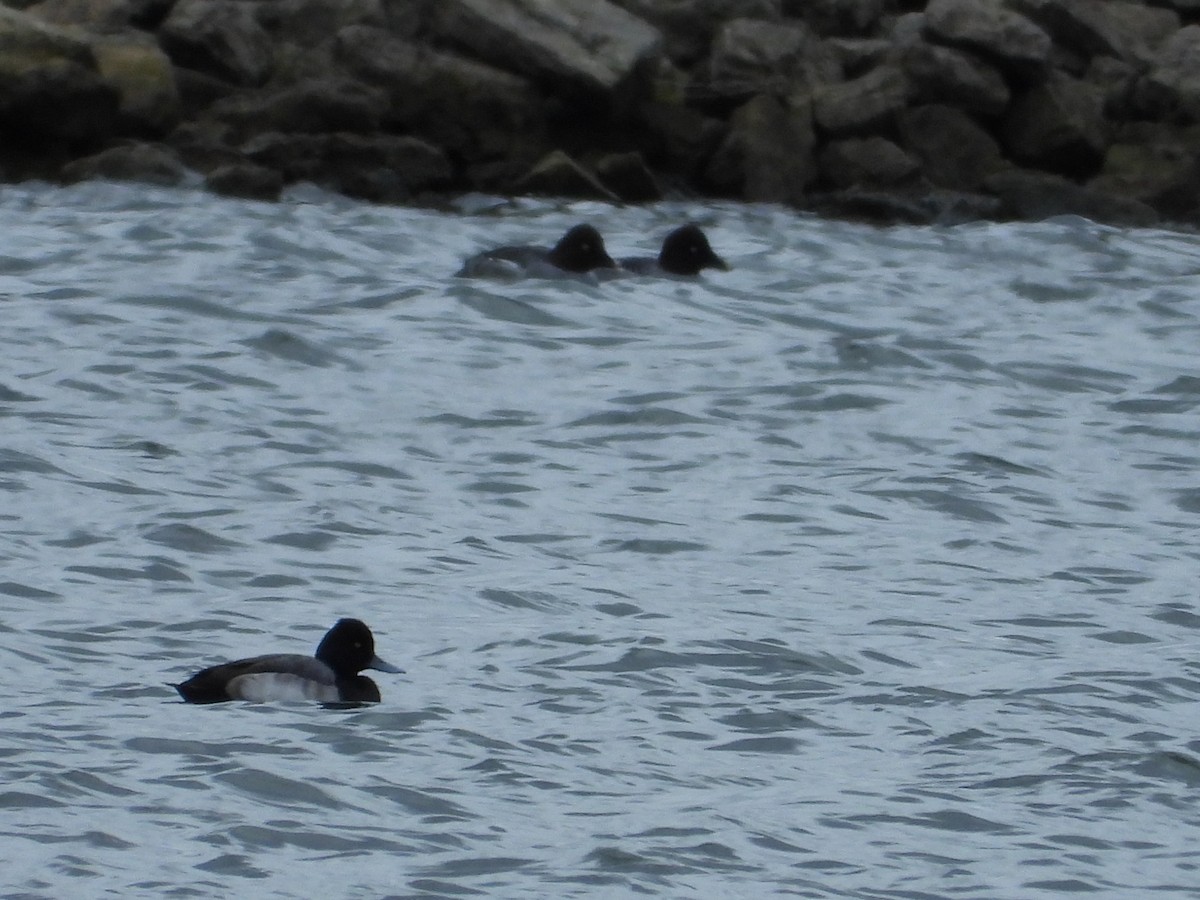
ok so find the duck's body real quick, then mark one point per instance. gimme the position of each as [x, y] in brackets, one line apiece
[685, 252]
[579, 251]
[331, 676]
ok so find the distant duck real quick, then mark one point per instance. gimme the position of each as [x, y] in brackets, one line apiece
[331, 676]
[580, 250]
[685, 251]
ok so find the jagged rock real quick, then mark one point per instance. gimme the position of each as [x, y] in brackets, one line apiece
[592, 45]
[867, 102]
[954, 151]
[681, 138]
[557, 175]
[97, 16]
[688, 26]
[148, 98]
[1157, 165]
[149, 163]
[954, 77]
[1171, 90]
[857, 56]
[866, 162]
[49, 87]
[311, 107]
[628, 176]
[1127, 31]
[752, 57]
[1059, 126]
[1039, 195]
[245, 180]
[993, 30]
[473, 110]
[308, 23]
[837, 17]
[382, 168]
[220, 38]
[768, 154]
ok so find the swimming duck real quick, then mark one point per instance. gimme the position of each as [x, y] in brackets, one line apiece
[330, 676]
[578, 251]
[685, 251]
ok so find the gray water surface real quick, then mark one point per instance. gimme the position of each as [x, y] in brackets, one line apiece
[865, 570]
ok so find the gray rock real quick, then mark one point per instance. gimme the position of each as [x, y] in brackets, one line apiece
[558, 175]
[309, 23]
[148, 97]
[314, 106]
[1034, 196]
[245, 180]
[689, 26]
[865, 103]
[959, 78]
[49, 87]
[954, 151]
[590, 44]
[866, 162]
[752, 57]
[628, 177]
[470, 108]
[1059, 126]
[768, 155]
[837, 17]
[381, 168]
[682, 138]
[221, 38]
[989, 28]
[1171, 90]
[1127, 31]
[1155, 164]
[148, 163]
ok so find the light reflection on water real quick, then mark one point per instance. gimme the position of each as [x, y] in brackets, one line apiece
[864, 570]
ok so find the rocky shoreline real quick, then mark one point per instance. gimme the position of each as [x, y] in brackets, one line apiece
[948, 110]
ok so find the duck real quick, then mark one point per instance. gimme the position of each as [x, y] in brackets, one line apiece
[577, 252]
[685, 251]
[330, 676]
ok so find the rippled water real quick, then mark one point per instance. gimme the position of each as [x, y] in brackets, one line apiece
[865, 570]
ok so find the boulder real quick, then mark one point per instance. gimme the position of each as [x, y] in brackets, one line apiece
[590, 45]
[381, 168]
[1171, 89]
[866, 162]
[472, 109]
[954, 151]
[50, 90]
[688, 26]
[221, 38]
[1033, 196]
[678, 137]
[148, 163]
[1059, 126]
[752, 57]
[1157, 165]
[315, 106]
[768, 154]
[148, 97]
[863, 104]
[309, 23]
[959, 78]
[837, 17]
[628, 177]
[558, 175]
[1128, 31]
[245, 180]
[989, 28]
